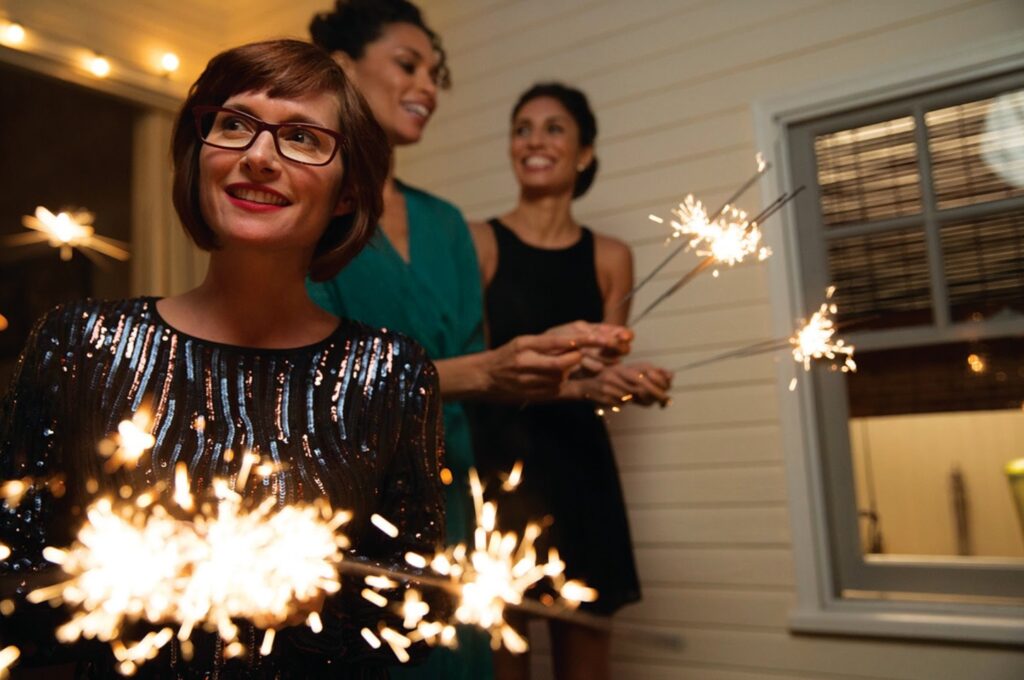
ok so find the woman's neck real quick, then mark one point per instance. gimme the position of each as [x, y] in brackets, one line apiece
[544, 221]
[253, 299]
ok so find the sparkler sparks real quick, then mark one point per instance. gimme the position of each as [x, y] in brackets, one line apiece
[133, 439]
[488, 579]
[68, 230]
[814, 340]
[225, 562]
[8, 656]
[701, 215]
[727, 238]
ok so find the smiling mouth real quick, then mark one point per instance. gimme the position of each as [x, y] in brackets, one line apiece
[538, 162]
[417, 109]
[257, 196]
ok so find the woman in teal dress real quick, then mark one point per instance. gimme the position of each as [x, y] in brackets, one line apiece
[419, 274]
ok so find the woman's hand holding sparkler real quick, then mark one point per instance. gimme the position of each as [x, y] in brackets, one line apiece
[640, 383]
[531, 366]
[536, 366]
[602, 344]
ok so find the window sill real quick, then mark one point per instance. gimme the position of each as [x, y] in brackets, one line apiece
[885, 619]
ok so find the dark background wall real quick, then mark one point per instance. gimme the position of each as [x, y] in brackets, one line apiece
[61, 146]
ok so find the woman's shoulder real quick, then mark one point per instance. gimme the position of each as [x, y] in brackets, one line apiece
[610, 249]
[395, 347]
[428, 201]
[66, 316]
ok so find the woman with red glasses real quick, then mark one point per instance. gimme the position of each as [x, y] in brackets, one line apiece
[278, 170]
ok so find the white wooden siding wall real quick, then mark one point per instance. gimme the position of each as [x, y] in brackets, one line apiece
[672, 83]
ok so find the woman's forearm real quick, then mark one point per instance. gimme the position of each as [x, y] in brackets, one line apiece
[463, 377]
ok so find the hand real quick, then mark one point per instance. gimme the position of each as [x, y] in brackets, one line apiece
[602, 344]
[531, 366]
[639, 383]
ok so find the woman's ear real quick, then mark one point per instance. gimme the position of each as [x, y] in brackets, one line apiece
[584, 158]
[345, 205]
[347, 64]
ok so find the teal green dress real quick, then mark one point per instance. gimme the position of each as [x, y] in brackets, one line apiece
[436, 299]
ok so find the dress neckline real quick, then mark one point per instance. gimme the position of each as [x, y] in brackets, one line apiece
[495, 222]
[241, 349]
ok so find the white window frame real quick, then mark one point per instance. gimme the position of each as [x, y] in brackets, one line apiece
[819, 607]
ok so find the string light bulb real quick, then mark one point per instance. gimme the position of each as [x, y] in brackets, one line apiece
[11, 34]
[98, 66]
[169, 63]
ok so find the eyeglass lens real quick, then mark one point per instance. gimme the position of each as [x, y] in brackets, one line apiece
[295, 142]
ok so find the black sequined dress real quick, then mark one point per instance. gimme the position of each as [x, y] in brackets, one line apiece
[353, 419]
[569, 471]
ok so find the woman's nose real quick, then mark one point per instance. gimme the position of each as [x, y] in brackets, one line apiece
[262, 156]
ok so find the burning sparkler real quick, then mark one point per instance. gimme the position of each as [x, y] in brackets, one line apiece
[224, 562]
[488, 579]
[814, 339]
[727, 239]
[692, 211]
[68, 230]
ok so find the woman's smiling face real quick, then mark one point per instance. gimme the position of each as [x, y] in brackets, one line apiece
[397, 75]
[545, 147]
[256, 198]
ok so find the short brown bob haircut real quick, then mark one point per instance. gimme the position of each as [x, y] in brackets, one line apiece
[289, 69]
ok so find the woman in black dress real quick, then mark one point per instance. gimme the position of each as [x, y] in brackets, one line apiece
[271, 143]
[541, 268]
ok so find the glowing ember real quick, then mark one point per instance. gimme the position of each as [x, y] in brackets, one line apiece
[515, 476]
[12, 492]
[133, 439]
[814, 340]
[68, 230]
[8, 655]
[226, 562]
[384, 525]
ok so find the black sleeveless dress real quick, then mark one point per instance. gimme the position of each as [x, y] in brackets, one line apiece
[569, 473]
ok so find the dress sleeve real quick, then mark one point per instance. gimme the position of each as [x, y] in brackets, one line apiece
[412, 499]
[29, 451]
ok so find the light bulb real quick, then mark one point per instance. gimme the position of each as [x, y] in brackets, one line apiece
[98, 66]
[11, 33]
[169, 62]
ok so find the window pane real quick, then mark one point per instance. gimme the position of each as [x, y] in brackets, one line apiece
[931, 431]
[984, 265]
[977, 150]
[881, 280]
[868, 173]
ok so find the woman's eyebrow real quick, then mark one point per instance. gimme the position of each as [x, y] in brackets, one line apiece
[412, 50]
[293, 118]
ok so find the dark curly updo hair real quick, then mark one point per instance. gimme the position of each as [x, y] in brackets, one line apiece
[354, 24]
[576, 104]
